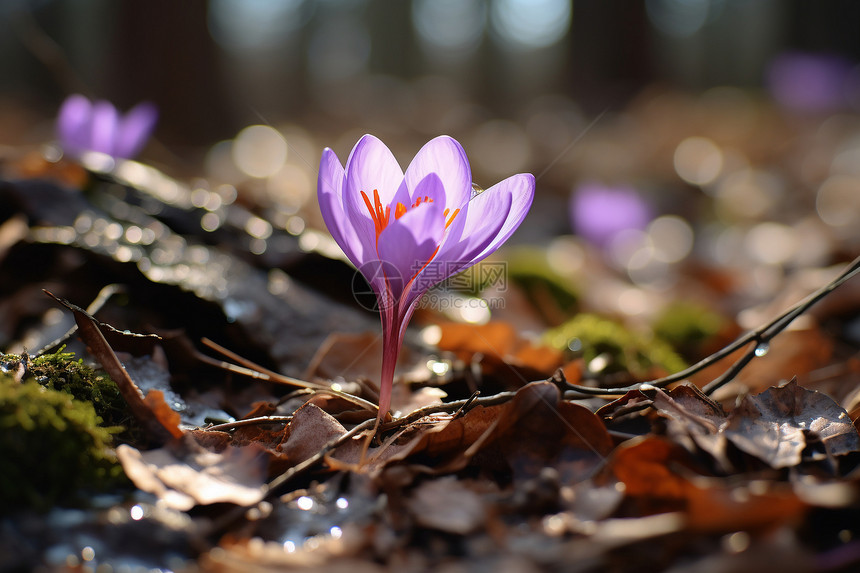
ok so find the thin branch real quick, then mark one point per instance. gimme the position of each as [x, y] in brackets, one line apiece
[285, 477]
[258, 372]
[96, 305]
[248, 422]
[450, 408]
[761, 335]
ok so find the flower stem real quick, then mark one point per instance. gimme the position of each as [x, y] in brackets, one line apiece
[390, 351]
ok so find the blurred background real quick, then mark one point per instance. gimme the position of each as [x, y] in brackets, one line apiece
[724, 129]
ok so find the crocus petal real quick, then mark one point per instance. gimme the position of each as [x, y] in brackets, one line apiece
[408, 243]
[481, 224]
[105, 121]
[445, 157]
[330, 196]
[135, 129]
[486, 218]
[370, 166]
[72, 123]
[522, 190]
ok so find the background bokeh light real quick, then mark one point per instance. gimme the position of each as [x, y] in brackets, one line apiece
[733, 123]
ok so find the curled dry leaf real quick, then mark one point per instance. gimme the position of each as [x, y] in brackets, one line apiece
[778, 425]
[540, 429]
[693, 417]
[782, 426]
[152, 412]
[310, 429]
[183, 474]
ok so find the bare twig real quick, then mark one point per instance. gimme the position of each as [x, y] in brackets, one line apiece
[104, 295]
[285, 477]
[261, 420]
[465, 407]
[258, 372]
[450, 408]
[759, 337]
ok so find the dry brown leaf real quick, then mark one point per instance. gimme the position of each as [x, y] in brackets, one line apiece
[718, 507]
[692, 416]
[649, 468]
[498, 343]
[533, 430]
[494, 339]
[212, 440]
[540, 429]
[151, 412]
[448, 505]
[644, 465]
[777, 426]
[522, 436]
[310, 429]
[183, 474]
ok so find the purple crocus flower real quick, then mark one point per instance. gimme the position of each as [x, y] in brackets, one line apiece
[84, 126]
[809, 82]
[599, 212]
[406, 232]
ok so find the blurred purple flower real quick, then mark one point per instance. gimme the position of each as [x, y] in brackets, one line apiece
[599, 212]
[809, 82]
[407, 232]
[83, 126]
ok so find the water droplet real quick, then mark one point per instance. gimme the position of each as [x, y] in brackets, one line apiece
[342, 503]
[438, 368]
[762, 349]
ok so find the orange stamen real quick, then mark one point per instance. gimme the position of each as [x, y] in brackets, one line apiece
[399, 211]
[381, 215]
[451, 220]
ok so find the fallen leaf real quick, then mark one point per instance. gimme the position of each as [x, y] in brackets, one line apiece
[499, 345]
[160, 421]
[519, 438]
[183, 474]
[692, 416]
[310, 429]
[777, 425]
[658, 477]
[448, 505]
[540, 429]
[645, 467]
